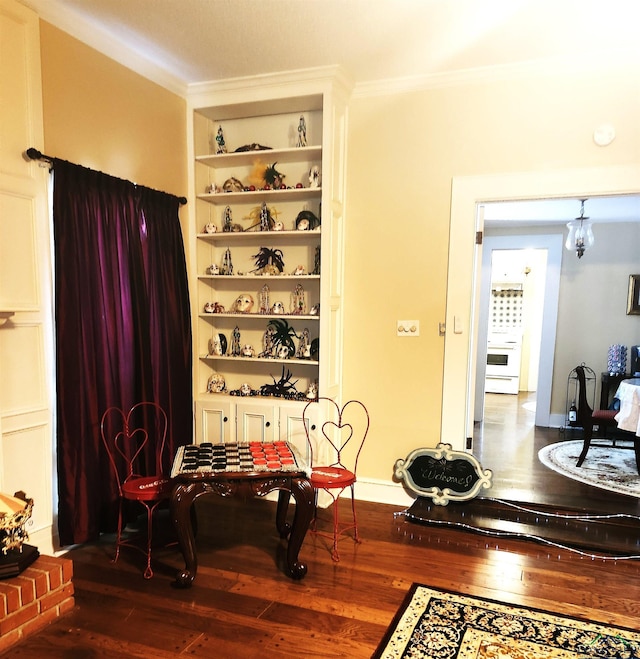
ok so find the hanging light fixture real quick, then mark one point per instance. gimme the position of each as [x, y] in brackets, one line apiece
[580, 236]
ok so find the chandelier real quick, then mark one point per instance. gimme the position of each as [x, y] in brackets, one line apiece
[580, 236]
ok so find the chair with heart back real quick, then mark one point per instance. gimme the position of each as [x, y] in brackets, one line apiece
[334, 449]
[135, 442]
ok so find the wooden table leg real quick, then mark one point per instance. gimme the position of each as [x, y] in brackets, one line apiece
[302, 493]
[182, 498]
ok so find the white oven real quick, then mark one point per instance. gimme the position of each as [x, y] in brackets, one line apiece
[503, 364]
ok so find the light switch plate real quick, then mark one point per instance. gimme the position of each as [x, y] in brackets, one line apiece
[408, 328]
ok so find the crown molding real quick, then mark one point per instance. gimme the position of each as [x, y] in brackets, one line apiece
[100, 40]
[303, 81]
[580, 64]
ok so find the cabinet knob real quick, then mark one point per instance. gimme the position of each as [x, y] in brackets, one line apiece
[313, 427]
[267, 424]
[225, 419]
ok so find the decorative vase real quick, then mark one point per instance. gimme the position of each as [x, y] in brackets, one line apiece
[617, 359]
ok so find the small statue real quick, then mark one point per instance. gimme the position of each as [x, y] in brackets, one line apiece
[221, 146]
[227, 220]
[227, 263]
[304, 347]
[266, 222]
[263, 300]
[302, 132]
[298, 301]
[235, 342]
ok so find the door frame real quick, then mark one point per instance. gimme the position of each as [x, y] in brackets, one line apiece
[465, 262]
[553, 246]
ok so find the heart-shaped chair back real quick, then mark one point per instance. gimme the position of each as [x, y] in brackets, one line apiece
[341, 428]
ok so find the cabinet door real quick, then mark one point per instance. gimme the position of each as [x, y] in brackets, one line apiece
[291, 428]
[214, 421]
[255, 422]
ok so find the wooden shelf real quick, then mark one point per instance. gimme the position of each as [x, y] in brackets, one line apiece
[255, 196]
[235, 159]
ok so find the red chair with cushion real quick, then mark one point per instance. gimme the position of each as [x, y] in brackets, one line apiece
[336, 447]
[135, 442]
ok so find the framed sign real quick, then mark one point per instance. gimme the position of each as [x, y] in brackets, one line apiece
[442, 474]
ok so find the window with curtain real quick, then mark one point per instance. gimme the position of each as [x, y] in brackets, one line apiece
[123, 330]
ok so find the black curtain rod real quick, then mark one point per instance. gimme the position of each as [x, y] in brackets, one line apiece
[34, 154]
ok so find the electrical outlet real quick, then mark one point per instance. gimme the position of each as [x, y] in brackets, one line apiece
[408, 328]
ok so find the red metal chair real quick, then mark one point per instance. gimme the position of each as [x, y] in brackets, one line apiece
[135, 442]
[338, 436]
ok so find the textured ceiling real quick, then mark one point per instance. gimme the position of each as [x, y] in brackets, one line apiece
[374, 41]
[204, 40]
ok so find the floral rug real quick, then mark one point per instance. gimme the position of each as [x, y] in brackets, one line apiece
[609, 468]
[434, 623]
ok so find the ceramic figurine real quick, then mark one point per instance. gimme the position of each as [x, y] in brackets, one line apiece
[216, 384]
[235, 342]
[314, 177]
[302, 132]
[210, 228]
[263, 300]
[243, 304]
[208, 307]
[248, 351]
[277, 308]
[221, 147]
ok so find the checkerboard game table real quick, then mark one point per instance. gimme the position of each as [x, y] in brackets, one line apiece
[246, 470]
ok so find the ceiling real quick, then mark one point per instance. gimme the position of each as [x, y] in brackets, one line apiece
[204, 40]
[182, 42]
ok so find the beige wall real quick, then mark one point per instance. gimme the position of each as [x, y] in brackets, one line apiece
[99, 114]
[404, 151]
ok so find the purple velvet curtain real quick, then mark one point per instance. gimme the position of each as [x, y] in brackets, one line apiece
[123, 331]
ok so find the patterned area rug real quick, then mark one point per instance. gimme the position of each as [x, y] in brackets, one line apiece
[609, 468]
[434, 623]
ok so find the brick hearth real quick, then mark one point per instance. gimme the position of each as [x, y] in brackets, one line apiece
[36, 597]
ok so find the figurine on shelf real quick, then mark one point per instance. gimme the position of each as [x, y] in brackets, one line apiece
[243, 304]
[210, 227]
[266, 221]
[227, 220]
[248, 351]
[221, 147]
[314, 177]
[209, 307]
[302, 132]
[263, 300]
[304, 347]
[227, 263]
[312, 391]
[306, 220]
[268, 261]
[213, 269]
[299, 271]
[277, 309]
[316, 261]
[235, 342]
[267, 341]
[215, 346]
[298, 301]
[216, 384]
[245, 389]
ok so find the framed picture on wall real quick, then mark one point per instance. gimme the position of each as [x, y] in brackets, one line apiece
[633, 300]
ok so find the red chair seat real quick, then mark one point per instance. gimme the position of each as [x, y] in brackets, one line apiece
[147, 488]
[322, 477]
[604, 415]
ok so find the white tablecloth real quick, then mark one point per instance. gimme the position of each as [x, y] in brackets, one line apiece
[628, 418]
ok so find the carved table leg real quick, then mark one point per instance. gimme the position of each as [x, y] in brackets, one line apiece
[284, 528]
[181, 500]
[303, 495]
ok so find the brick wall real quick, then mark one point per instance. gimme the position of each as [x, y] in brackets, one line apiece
[36, 597]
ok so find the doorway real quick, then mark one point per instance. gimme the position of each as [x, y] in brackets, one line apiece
[536, 269]
[465, 262]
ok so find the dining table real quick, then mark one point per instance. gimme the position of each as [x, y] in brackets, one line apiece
[628, 417]
[628, 393]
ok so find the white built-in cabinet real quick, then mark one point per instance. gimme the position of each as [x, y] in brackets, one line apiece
[267, 112]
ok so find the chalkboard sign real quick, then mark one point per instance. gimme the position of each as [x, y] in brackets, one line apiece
[442, 474]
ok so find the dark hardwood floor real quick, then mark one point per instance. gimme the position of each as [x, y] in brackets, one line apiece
[507, 442]
[242, 605]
